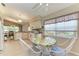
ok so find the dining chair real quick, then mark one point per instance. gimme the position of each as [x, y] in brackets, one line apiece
[59, 51]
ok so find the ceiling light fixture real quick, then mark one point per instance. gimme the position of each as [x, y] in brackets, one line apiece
[40, 3]
[20, 21]
[47, 4]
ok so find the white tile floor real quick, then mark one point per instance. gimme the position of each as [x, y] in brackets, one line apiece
[14, 48]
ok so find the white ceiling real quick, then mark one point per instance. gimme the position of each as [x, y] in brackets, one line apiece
[27, 11]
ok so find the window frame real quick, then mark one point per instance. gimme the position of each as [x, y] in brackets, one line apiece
[60, 22]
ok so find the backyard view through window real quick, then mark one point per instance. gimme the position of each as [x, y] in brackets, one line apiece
[64, 29]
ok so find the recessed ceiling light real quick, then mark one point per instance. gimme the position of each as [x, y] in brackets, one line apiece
[40, 3]
[20, 21]
[47, 4]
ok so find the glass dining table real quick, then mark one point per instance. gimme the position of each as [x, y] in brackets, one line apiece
[45, 45]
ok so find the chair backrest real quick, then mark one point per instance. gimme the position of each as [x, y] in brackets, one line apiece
[35, 50]
[69, 47]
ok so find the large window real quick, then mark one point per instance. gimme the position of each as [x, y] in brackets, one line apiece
[66, 28]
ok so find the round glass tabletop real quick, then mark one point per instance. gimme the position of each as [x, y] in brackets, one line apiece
[48, 41]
